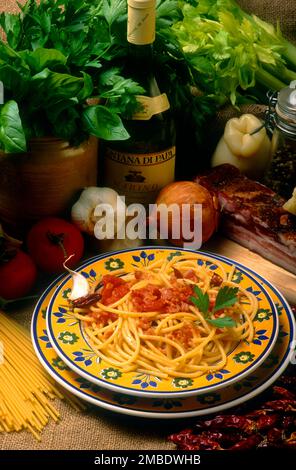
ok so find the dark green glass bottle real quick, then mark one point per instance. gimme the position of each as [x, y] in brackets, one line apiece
[140, 166]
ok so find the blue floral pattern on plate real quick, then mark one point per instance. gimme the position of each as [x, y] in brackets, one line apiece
[259, 336]
[145, 380]
[217, 375]
[87, 356]
[143, 260]
[46, 340]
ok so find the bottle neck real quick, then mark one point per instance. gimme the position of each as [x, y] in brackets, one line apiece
[141, 55]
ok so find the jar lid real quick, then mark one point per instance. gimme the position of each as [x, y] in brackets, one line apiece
[286, 103]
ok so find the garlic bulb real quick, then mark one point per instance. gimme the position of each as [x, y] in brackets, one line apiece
[83, 211]
[87, 215]
[80, 286]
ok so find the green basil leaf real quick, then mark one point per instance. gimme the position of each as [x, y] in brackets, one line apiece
[54, 112]
[87, 88]
[12, 136]
[104, 124]
[45, 58]
[14, 81]
[53, 86]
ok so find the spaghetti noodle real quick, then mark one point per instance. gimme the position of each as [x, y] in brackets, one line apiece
[26, 390]
[146, 320]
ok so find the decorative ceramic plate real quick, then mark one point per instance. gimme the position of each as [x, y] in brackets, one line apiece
[71, 344]
[212, 402]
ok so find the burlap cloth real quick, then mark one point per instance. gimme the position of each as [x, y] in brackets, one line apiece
[99, 429]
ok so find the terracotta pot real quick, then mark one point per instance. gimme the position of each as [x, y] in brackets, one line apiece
[45, 181]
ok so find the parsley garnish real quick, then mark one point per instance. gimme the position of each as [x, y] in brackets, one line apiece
[227, 297]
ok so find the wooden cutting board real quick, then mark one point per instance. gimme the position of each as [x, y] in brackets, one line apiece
[282, 279]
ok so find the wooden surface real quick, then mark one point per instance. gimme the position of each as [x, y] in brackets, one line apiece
[282, 279]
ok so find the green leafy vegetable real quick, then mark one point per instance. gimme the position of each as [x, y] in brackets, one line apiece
[60, 53]
[101, 122]
[201, 300]
[119, 91]
[12, 137]
[226, 297]
[224, 322]
[45, 58]
[232, 51]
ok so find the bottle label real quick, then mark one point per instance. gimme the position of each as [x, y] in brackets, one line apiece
[149, 106]
[141, 22]
[139, 177]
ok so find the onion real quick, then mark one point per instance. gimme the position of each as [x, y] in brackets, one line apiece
[188, 192]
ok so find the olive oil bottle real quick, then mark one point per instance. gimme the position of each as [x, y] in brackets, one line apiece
[140, 166]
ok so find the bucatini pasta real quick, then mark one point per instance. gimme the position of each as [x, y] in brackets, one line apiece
[146, 320]
[26, 391]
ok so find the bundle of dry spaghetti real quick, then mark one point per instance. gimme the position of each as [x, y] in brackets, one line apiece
[26, 390]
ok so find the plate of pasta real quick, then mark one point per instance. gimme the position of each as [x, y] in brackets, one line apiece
[160, 322]
[213, 402]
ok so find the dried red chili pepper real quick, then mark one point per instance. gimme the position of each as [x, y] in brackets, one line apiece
[225, 439]
[226, 422]
[266, 422]
[251, 442]
[281, 405]
[284, 393]
[186, 440]
[288, 421]
[86, 301]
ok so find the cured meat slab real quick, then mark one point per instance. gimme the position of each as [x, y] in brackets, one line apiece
[252, 215]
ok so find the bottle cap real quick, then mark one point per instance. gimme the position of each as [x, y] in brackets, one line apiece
[142, 4]
[141, 21]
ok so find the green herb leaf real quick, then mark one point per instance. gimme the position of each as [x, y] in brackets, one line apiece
[112, 9]
[227, 296]
[201, 301]
[12, 27]
[53, 86]
[119, 91]
[87, 88]
[45, 58]
[225, 322]
[104, 124]
[12, 136]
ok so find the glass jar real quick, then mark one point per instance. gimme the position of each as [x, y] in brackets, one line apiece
[281, 173]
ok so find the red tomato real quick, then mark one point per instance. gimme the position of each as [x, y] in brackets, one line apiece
[51, 241]
[17, 276]
[114, 289]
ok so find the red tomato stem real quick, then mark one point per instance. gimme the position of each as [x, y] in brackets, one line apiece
[58, 239]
